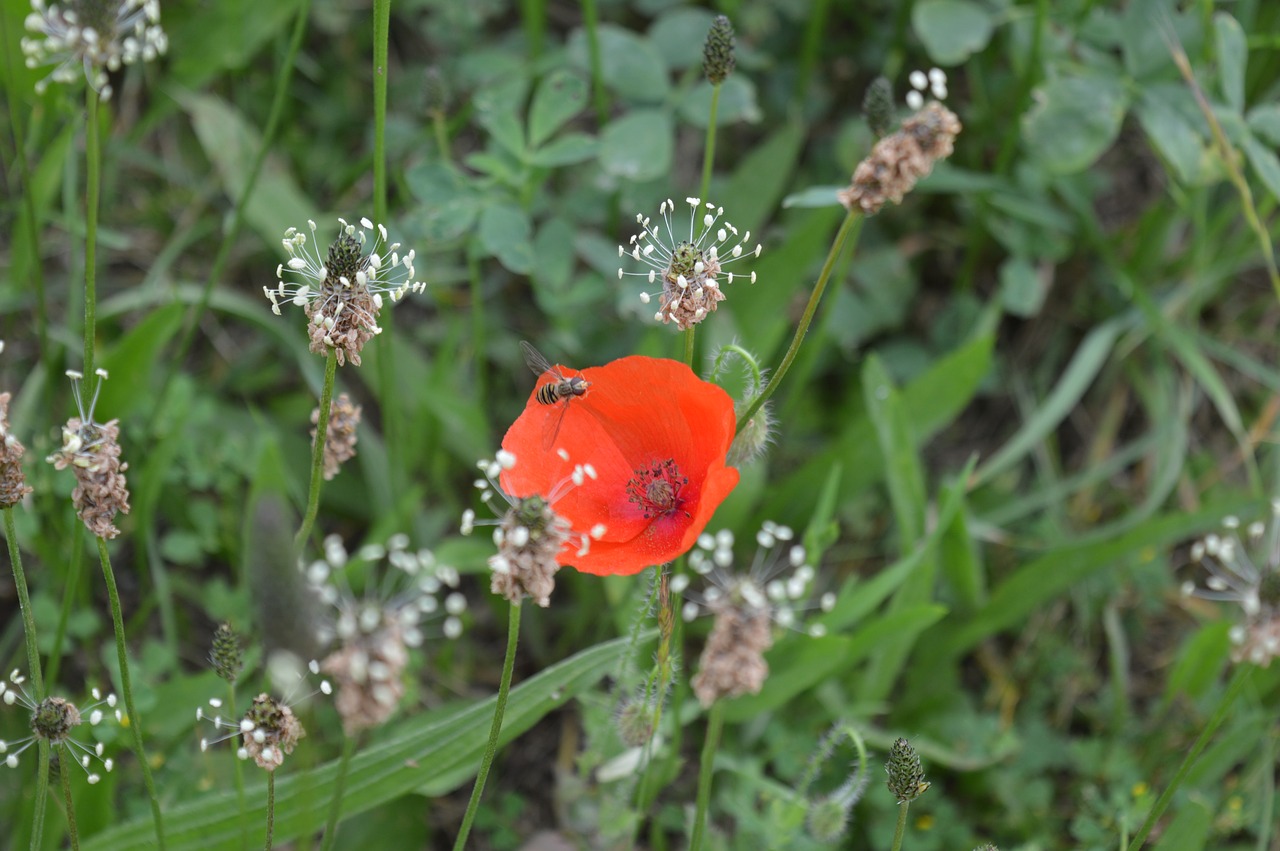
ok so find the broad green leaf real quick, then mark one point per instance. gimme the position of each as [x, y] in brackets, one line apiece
[1074, 120]
[679, 35]
[814, 196]
[506, 233]
[1200, 662]
[1265, 163]
[802, 661]
[231, 144]
[639, 145]
[566, 150]
[959, 557]
[1233, 54]
[932, 400]
[133, 360]
[1022, 290]
[498, 111]
[560, 96]
[762, 178]
[450, 202]
[205, 41]
[1171, 134]
[1264, 120]
[737, 103]
[1189, 829]
[952, 30]
[1076, 379]
[903, 471]
[433, 753]
[555, 251]
[629, 64]
[1042, 579]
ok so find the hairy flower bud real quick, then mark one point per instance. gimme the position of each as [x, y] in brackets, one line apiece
[906, 777]
[717, 51]
[877, 106]
[226, 656]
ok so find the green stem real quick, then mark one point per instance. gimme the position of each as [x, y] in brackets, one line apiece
[42, 797]
[33, 667]
[709, 150]
[387, 397]
[659, 680]
[442, 136]
[715, 724]
[340, 784]
[28, 207]
[93, 188]
[852, 225]
[591, 21]
[24, 604]
[534, 15]
[126, 687]
[317, 451]
[271, 807]
[490, 749]
[901, 829]
[71, 586]
[65, 761]
[240, 797]
[1242, 677]
[688, 346]
[218, 266]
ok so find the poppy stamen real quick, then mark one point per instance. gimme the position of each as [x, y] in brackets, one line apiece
[655, 489]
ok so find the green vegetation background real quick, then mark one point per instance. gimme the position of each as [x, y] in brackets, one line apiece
[1030, 386]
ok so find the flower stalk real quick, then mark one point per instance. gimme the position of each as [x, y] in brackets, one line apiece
[67, 760]
[317, 450]
[126, 687]
[237, 216]
[271, 807]
[491, 748]
[1243, 676]
[93, 189]
[339, 789]
[852, 225]
[715, 725]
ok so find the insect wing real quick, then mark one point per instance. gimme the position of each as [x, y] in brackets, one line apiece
[536, 362]
[551, 432]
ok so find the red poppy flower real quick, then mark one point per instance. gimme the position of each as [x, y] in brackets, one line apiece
[657, 436]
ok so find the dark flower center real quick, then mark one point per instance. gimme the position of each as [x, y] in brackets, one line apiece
[655, 489]
[1269, 589]
[53, 719]
[683, 260]
[346, 258]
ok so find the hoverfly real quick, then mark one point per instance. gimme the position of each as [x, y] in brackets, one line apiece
[560, 391]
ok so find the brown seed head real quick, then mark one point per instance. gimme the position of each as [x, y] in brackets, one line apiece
[92, 452]
[275, 732]
[13, 485]
[369, 671]
[732, 663]
[898, 161]
[340, 434]
[530, 537]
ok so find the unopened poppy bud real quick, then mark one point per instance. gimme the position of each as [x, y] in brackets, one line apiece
[635, 722]
[226, 655]
[827, 819]
[877, 106]
[906, 777]
[754, 438]
[717, 51]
